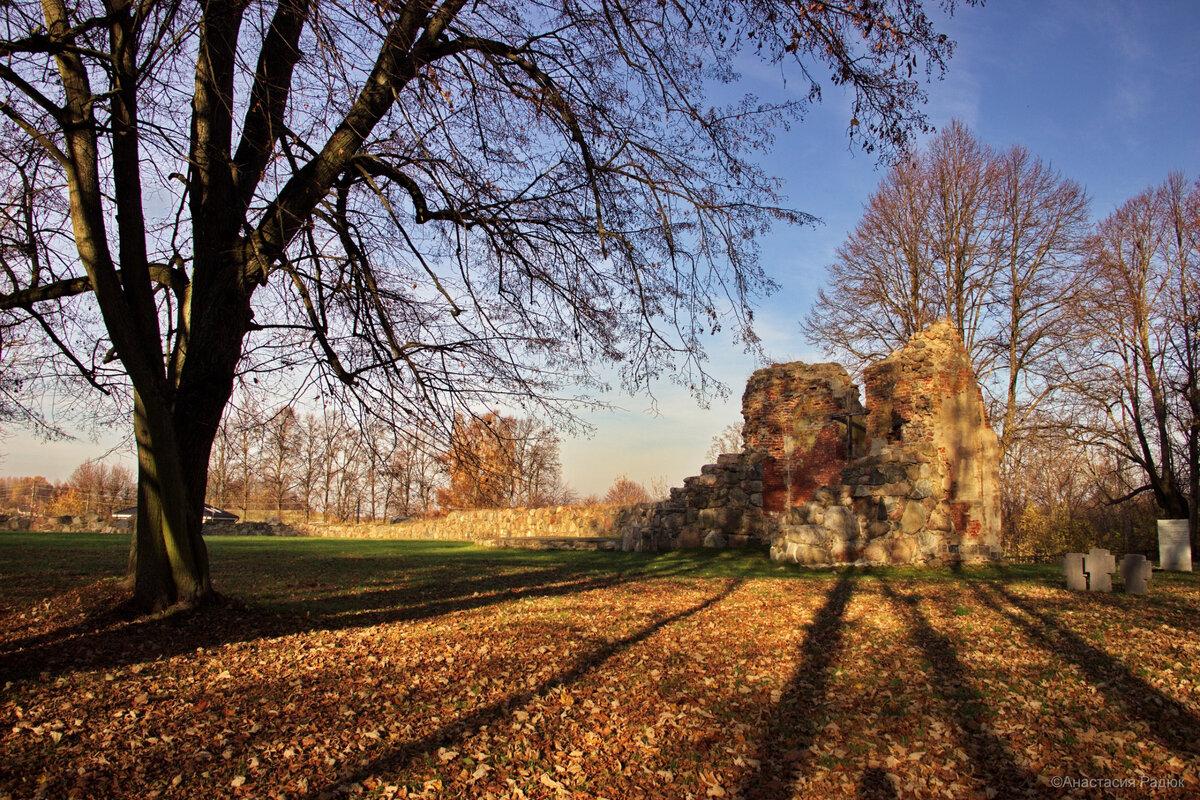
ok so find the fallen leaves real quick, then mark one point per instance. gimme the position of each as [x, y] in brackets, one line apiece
[663, 688]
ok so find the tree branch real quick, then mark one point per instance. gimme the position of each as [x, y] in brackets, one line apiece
[174, 279]
[264, 123]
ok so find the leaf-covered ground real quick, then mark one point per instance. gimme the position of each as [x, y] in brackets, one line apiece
[369, 669]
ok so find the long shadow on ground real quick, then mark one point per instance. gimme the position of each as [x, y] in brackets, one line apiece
[399, 757]
[784, 749]
[1170, 722]
[103, 609]
[994, 766]
[109, 638]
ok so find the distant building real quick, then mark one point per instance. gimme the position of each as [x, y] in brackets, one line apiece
[211, 514]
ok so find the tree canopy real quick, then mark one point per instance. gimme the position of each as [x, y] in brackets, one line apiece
[437, 205]
[991, 239]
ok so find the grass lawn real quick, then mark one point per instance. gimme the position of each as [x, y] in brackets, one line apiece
[420, 669]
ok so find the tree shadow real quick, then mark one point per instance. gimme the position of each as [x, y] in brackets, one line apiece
[784, 750]
[995, 766]
[1152, 610]
[459, 729]
[428, 591]
[1169, 722]
[1183, 617]
[419, 600]
[109, 638]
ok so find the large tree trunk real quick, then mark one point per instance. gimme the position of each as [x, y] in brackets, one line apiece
[168, 558]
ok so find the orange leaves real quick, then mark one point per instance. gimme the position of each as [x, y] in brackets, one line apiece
[648, 688]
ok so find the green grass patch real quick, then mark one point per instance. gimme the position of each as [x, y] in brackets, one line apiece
[331, 576]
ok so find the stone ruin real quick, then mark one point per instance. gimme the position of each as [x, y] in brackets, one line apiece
[909, 477]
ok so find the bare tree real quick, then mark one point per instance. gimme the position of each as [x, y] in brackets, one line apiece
[278, 456]
[308, 462]
[881, 287]
[416, 472]
[729, 440]
[961, 173]
[244, 424]
[351, 475]
[336, 452]
[991, 240]
[1041, 225]
[441, 202]
[537, 469]
[1134, 382]
[220, 467]
[32, 201]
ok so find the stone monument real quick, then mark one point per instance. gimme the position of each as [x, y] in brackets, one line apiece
[1099, 564]
[1136, 570]
[1073, 569]
[1174, 545]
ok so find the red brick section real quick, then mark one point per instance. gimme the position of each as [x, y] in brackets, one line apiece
[795, 401]
[921, 479]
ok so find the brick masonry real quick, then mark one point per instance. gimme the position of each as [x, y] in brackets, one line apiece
[925, 486]
[788, 415]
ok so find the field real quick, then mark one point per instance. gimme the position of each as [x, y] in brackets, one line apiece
[409, 669]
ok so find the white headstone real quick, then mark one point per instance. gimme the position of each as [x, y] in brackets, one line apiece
[1174, 545]
[1135, 572]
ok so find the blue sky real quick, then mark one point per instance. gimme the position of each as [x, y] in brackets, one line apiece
[1108, 92]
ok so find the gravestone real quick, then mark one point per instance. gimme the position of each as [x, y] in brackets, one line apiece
[1073, 568]
[1135, 571]
[1099, 564]
[1174, 545]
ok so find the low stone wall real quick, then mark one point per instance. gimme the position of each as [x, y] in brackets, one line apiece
[88, 523]
[464, 526]
[561, 522]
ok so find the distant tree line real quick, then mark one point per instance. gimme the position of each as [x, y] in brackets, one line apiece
[331, 465]
[92, 488]
[1085, 335]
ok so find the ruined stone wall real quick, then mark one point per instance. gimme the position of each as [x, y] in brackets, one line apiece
[924, 396]
[927, 489]
[788, 415]
[720, 507]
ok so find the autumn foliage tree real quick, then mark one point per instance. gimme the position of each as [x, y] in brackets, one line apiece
[626, 492]
[495, 461]
[437, 203]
